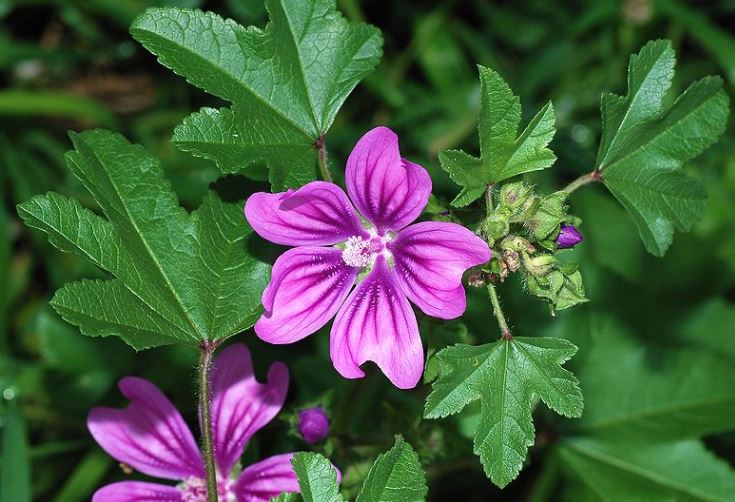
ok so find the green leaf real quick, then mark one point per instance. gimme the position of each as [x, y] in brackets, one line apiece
[506, 376]
[710, 325]
[645, 142]
[396, 476]
[636, 394]
[681, 470]
[287, 497]
[317, 478]
[15, 474]
[502, 154]
[285, 82]
[178, 277]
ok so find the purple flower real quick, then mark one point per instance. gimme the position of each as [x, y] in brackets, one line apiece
[390, 261]
[313, 424]
[568, 237]
[151, 436]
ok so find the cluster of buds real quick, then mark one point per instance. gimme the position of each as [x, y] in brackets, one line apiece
[526, 230]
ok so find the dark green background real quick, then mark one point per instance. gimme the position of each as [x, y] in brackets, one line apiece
[71, 65]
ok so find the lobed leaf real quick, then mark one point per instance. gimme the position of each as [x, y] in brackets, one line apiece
[505, 376]
[179, 277]
[286, 82]
[645, 142]
[502, 154]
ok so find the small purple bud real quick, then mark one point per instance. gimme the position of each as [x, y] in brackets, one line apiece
[313, 425]
[568, 237]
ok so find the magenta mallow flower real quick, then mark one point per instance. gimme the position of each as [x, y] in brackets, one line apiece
[391, 262]
[151, 436]
[313, 424]
[568, 237]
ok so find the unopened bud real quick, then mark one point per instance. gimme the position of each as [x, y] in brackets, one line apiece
[514, 195]
[540, 265]
[496, 225]
[313, 424]
[568, 237]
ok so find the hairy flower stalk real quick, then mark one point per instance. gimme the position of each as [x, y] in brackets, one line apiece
[389, 259]
[151, 436]
[205, 396]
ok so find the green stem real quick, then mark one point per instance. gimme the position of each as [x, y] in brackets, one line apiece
[489, 200]
[498, 312]
[583, 180]
[321, 147]
[205, 363]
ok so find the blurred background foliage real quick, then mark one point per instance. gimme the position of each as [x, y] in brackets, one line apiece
[70, 64]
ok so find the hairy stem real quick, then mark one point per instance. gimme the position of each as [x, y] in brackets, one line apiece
[583, 180]
[205, 363]
[321, 147]
[498, 312]
[489, 200]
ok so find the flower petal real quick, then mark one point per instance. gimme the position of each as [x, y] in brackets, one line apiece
[149, 435]
[137, 491]
[377, 324]
[430, 258]
[389, 191]
[266, 479]
[308, 286]
[240, 404]
[319, 213]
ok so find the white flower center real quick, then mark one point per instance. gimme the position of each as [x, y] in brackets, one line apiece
[195, 490]
[361, 252]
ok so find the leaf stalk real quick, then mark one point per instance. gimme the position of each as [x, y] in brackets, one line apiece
[205, 395]
[321, 147]
[498, 312]
[583, 180]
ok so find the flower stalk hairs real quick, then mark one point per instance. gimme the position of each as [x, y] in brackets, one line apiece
[372, 243]
[151, 436]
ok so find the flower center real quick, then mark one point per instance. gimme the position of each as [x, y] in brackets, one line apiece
[361, 252]
[195, 490]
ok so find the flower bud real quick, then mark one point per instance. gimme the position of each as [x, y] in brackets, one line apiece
[313, 424]
[540, 265]
[514, 195]
[568, 237]
[496, 225]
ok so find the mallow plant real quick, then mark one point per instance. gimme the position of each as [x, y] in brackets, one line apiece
[367, 257]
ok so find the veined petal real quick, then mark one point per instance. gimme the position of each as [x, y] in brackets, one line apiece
[149, 435]
[240, 404]
[308, 286]
[318, 214]
[430, 258]
[137, 491]
[266, 479]
[389, 191]
[377, 324]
